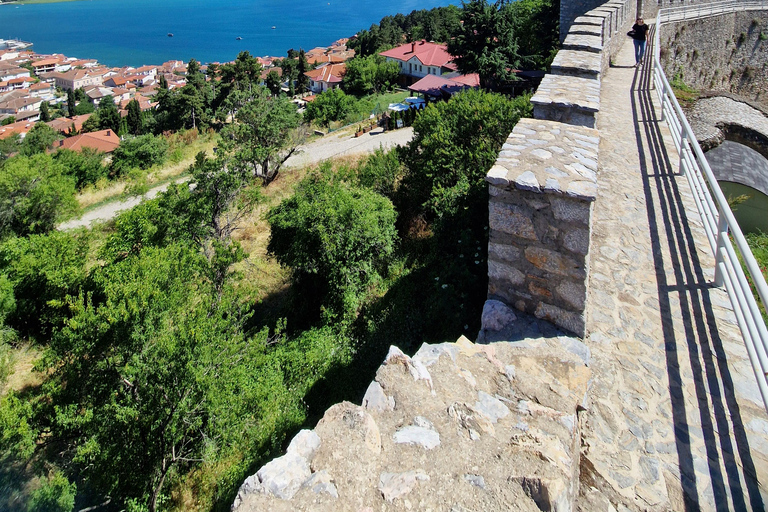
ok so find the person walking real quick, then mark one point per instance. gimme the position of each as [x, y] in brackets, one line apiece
[640, 38]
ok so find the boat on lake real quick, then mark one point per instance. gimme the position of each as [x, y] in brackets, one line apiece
[170, 34]
[238, 38]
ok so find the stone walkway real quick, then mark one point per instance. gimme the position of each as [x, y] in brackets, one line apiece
[675, 419]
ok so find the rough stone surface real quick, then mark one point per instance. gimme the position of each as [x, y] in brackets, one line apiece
[375, 398]
[577, 63]
[496, 315]
[504, 444]
[567, 99]
[583, 42]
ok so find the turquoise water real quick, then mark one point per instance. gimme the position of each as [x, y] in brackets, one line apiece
[135, 32]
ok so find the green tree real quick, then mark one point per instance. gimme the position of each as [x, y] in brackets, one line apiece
[45, 114]
[109, 117]
[273, 82]
[85, 166]
[139, 153]
[453, 147]
[34, 193]
[302, 80]
[9, 146]
[39, 139]
[333, 105]
[55, 494]
[134, 118]
[43, 270]
[336, 238]
[486, 44]
[369, 75]
[71, 102]
[381, 172]
[536, 26]
[264, 135]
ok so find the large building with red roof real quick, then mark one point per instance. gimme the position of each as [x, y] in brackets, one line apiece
[420, 59]
[326, 77]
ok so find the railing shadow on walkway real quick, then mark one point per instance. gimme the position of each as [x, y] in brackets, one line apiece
[702, 342]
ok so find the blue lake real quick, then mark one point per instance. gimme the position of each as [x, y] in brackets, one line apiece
[135, 32]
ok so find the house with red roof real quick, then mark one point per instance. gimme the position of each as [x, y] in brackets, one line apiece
[435, 87]
[105, 141]
[328, 76]
[20, 127]
[421, 58]
[69, 125]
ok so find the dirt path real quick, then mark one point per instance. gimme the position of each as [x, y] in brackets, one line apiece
[330, 146]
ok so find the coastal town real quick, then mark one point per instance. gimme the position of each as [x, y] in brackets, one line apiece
[29, 79]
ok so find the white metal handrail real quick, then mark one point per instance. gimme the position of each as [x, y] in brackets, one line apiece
[715, 212]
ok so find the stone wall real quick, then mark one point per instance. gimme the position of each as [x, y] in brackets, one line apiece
[545, 180]
[726, 53]
[458, 427]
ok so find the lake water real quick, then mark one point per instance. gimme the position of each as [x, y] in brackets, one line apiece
[135, 32]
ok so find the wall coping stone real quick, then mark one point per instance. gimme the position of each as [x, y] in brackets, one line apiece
[548, 157]
[589, 20]
[586, 42]
[577, 63]
[586, 29]
[568, 92]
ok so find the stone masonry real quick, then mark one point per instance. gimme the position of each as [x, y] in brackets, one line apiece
[542, 189]
[545, 180]
[459, 427]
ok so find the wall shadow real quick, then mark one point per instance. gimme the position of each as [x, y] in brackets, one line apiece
[725, 444]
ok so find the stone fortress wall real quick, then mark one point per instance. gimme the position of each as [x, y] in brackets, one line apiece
[724, 53]
[544, 182]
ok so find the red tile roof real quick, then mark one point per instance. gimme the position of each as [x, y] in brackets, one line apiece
[330, 73]
[64, 124]
[429, 54]
[105, 141]
[20, 127]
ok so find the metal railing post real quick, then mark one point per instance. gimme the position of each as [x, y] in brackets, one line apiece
[683, 149]
[722, 239]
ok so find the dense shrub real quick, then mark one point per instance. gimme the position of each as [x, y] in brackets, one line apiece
[139, 153]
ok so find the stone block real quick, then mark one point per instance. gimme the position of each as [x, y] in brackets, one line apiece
[567, 99]
[552, 262]
[589, 30]
[512, 220]
[584, 42]
[577, 63]
[571, 210]
[577, 240]
[573, 322]
[498, 271]
[549, 157]
[574, 294]
[504, 252]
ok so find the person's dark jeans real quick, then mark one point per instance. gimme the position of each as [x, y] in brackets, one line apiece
[639, 49]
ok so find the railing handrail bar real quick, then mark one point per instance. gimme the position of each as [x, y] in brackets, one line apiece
[693, 160]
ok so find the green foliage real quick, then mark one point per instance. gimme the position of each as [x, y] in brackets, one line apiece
[45, 114]
[369, 74]
[454, 145]
[71, 102]
[109, 117]
[139, 153]
[536, 27]
[34, 193]
[56, 494]
[264, 135]
[8, 146]
[381, 172]
[438, 24]
[335, 238]
[85, 166]
[333, 105]
[273, 82]
[8, 120]
[43, 270]
[38, 139]
[486, 44]
[17, 436]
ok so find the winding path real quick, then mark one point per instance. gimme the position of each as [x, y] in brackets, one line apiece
[333, 145]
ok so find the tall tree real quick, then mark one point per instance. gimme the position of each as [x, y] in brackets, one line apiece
[45, 114]
[486, 44]
[302, 80]
[273, 82]
[264, 135]
[71, 102]
[134, 118]
[109, 117]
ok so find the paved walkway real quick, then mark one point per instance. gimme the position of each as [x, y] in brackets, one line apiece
[676, 420]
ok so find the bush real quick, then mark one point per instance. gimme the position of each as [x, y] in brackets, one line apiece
[56, 494]
[139, 153]
[333, 105]
[86, 166]
[35, 193]
[336, 238]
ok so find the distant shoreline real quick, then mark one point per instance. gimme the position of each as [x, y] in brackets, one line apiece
[26, 2]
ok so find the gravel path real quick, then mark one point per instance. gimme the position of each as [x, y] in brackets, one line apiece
[330, 146]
